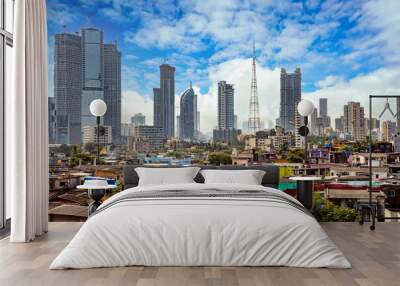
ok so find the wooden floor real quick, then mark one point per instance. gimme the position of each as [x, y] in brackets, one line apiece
[375, 257]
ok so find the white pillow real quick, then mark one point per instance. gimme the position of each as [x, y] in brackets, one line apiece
[247, 177]
[166, 176]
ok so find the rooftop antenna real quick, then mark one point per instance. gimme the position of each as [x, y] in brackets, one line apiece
[165, 60]
[65, 29]
[190, 84]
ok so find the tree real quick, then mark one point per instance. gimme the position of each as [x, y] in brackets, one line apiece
[295, 156]
[91, 148]
[218, 158]
[63, 149]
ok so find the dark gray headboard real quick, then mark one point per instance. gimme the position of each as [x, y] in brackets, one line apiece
[270, 179]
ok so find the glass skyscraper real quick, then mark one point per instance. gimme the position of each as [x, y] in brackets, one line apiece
[188, 115]
[112, 89]
[68, 87]
[164, 101]
[85, 69]
[226, 114]
[290, 97]
[92, 73]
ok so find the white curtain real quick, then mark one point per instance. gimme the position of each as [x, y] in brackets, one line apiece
[26, 124]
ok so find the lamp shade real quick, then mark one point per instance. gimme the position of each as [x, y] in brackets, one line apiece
[305, 107]
[98, 107]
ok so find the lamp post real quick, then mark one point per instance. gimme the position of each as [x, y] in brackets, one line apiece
[98, 108]
[305, 108]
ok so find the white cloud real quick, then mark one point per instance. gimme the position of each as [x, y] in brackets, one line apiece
[330, 80]
[238, 72]
[60, 14]
[132, 102]
[379, 22]
[382, 81]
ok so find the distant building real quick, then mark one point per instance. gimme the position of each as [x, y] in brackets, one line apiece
[139, 144]
[375, 124]
[225, 131]
[127, 129]
[235, 122]
[112, 89]
[164, 101]
[290, 97]
[89, 134]
[157, 107]
[154, 134]
[52, 117]
[188, 115]
[198, 125]
[282, 142]
[229, 136]
[85, 69]
[226, 114]
[68, 87]
[398, 114]
[138, 119]
[298, 139]
[353, 120]
[388, 130]
[313, 123]
[339, 124]
[323, 107]
[92, 73]
[178, 126]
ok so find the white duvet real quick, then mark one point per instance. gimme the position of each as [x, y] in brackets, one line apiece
[202, 232]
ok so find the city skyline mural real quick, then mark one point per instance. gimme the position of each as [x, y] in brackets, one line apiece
[345, 49]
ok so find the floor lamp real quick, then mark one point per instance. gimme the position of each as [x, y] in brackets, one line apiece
[98, 108]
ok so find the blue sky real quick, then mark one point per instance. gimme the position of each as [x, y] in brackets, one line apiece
[339, 45]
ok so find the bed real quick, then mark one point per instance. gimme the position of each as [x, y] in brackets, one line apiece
[197, 224]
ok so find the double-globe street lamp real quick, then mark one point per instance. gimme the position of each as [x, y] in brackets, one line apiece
[98, 108]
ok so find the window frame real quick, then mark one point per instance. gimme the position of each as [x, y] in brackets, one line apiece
[6, 39]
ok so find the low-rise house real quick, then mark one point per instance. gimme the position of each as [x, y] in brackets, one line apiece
[342, 170]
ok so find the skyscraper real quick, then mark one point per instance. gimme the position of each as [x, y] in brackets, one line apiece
[138, 119]
[52, 117]
[188, 115]
[167, 99]
[323, 107]
[290, 97]
[92, 72]
[226, 115]
[339, 124]
[157, 108]
[398, 114]
[388, 130]
[112, 89]
[353, 120]
[68, 87]
[313, 125]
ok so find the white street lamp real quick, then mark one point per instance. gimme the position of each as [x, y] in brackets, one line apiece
[98, 108]
[305, 107]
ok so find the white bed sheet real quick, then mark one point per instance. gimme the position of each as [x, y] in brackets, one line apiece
[200, 232]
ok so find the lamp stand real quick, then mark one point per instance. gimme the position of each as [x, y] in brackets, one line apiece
[98, 138]
[305, 146]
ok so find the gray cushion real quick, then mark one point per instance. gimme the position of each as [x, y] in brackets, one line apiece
[270, 179]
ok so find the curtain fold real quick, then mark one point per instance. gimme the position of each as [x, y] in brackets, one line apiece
[26, 119]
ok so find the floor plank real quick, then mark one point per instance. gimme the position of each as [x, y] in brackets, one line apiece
[375, 257]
